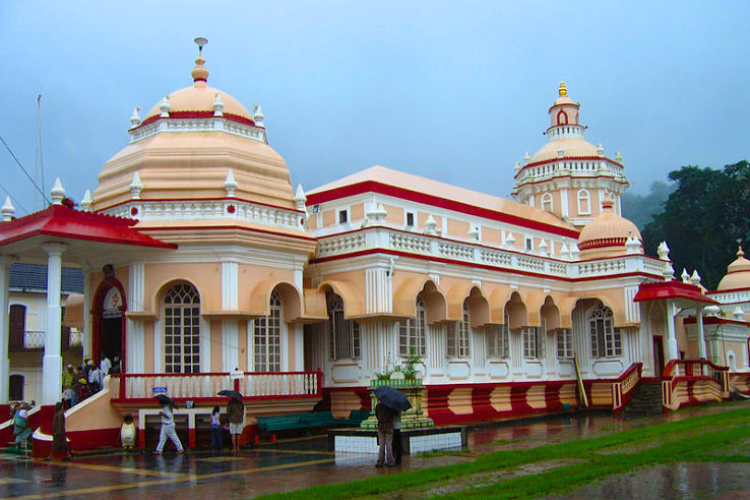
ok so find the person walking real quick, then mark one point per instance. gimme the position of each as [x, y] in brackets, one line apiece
[216, 429]
[59, 440]
[167, 429]
[236, 414]
[104, 365]
[68, 385]
[385, 435]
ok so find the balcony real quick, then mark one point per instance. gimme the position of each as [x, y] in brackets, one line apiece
[34, 339]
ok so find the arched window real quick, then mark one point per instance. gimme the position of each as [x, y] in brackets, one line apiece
[412, 333]
[17, 326]
[547, 203]
[606, 341]
[343, 334]
[534, 342]
[16, 387]
[267, 338]
[584, 202]
[458, 336]
[562, 118]
[182, 330]
[497, 340]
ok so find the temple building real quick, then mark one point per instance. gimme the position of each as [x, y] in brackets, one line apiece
[203, 269]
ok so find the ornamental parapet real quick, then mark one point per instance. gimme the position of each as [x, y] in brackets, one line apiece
[423, 246]
[567, 167]
[208, 124]
[226, 209]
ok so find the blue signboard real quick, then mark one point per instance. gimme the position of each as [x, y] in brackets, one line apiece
[159, 390]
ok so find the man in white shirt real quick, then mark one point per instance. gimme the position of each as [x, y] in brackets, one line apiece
[95, 379]
[167, 430]
[105, 365]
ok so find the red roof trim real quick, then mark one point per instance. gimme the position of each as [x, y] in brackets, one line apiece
[570, 158]
[61, 222]
[187, 115]
[663, 290]
[729, 290]
[374, 251]
[624, 183]
[716, 320]
[602, 243]
[427, 199]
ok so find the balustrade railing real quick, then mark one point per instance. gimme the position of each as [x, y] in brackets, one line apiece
[624, 386]
[680, 372]
[196, 386]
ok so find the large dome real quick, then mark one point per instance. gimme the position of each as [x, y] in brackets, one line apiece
[185, 148]
[738, 274]
[607, 235]
[572, 147]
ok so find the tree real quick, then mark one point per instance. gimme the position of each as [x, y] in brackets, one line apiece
[641, 209]
[702, 219]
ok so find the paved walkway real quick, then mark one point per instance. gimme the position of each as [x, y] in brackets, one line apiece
[283, 466]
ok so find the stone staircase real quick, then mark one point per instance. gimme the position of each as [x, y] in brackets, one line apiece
[646, 400]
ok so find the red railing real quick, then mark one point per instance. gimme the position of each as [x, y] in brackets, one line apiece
[624, 386]
[138, 388]
[686, 374]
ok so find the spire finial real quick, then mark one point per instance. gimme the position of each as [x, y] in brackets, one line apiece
[563, 89]
[740, 252]
[200, 73]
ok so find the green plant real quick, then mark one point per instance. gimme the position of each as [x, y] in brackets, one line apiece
[410, 368]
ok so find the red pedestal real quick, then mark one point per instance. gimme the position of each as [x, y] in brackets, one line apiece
[41, 445]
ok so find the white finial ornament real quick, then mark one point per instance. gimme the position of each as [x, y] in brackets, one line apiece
[510, 240]
[136, 186]
[299, 198]
[430, 225]
[600, 149]
[564, 251]
[165, 106]
[376, 214]
[57, 193]
[230, 184]
[218, 105]
[135, 118]
[258, 116]
[561, 153]
[86, 201]
[8, 210]
[685, 276]
[526, 158]
[668, 271]
[517, 166]
[474, 232]
[618, 157]
[695, 279]
[663, 251]
[544, 248]
[574, 251]
[738, 312]
[632, 245]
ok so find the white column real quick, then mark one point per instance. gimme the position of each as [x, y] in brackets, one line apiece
[52, 363]
[701, 336]
[135, 334]
[672, 350]
[229, 327]
[5, 262]
[299, 347]
[86, 341]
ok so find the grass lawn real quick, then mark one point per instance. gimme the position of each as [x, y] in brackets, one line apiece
[556, 468]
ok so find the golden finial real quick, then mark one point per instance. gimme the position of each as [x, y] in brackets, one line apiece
[563, 89]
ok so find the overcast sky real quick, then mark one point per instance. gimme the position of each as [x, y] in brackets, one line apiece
[455, 91]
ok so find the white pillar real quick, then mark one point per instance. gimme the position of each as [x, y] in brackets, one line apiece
[135, 330]
[5, 262]
[86, 341]
[672, 350]
[52, 363]
[299, 347]
[701, 336]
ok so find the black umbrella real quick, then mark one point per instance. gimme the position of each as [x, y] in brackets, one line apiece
[164, 399]
[230, 394]
[393, 399]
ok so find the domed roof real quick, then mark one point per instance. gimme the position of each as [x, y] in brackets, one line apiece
[572, 147]
[738, 273]
[200, 98]
[607, 235]
[191, 146]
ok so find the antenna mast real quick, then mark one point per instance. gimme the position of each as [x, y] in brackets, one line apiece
[39, 163]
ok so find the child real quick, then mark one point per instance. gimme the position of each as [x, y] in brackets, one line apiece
[215, 429]
[128, 433]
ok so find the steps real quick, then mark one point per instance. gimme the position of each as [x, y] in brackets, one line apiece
[646, 400]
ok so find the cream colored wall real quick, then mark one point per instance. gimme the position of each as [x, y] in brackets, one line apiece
[457, 228]
[36, 308]
[357, 211]
[206, 277]
[395, 214]
[329, 218]
[491, 236]
[216, 365]
[148, 346]
[242, 345]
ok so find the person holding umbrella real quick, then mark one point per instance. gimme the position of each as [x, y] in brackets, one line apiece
[236, 414]
[390, 403]
[167, 425]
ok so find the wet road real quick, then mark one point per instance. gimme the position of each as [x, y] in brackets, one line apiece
[298, 463]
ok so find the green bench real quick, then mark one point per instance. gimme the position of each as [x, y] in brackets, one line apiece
[307, 421]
